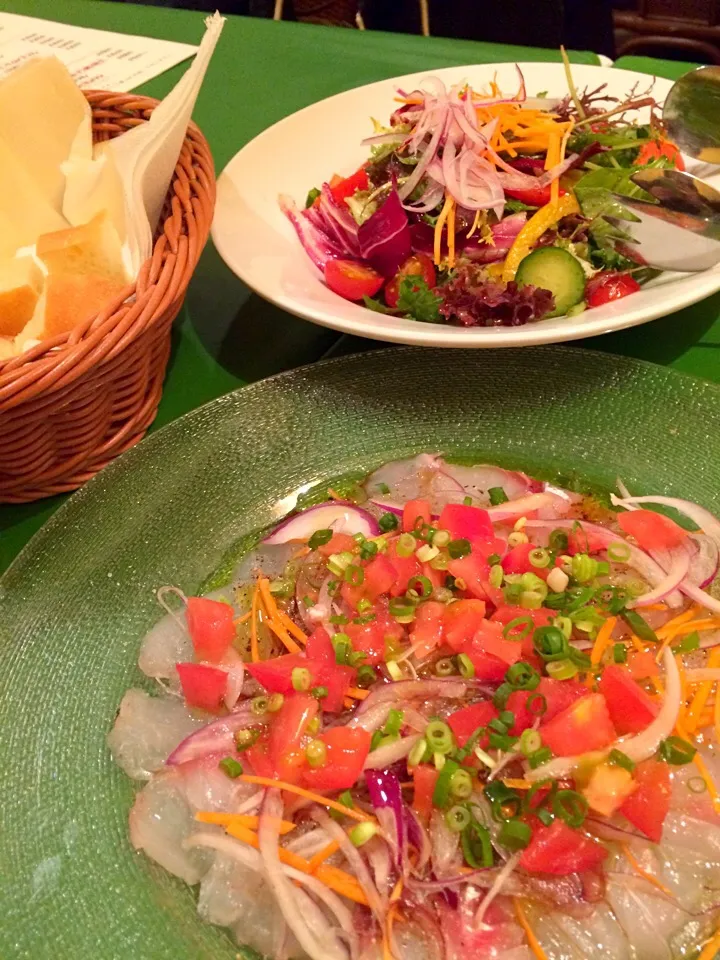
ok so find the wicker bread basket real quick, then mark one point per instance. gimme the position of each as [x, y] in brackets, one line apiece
[74, 402]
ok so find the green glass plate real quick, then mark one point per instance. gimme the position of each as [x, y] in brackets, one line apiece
[75, 604]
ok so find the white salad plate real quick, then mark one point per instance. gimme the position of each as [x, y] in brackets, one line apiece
[259, 244]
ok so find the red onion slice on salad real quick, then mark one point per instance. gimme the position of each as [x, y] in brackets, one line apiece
[677, 564]
[217, 737]
[316, 242]
[338, 516]
[704, 560]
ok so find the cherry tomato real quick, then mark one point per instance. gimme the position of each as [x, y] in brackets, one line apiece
[351, 279]
[580, 728]
[418, 265]
[609, 285]
[345, 187]
[347, 748]
[560, 850]
[211, 627]
[653, 531]
[653, 149]
[202, 686]
[648, 806]
[631, 709]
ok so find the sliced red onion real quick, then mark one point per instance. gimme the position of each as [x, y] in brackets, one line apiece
[677, 563]
[418, 838]
[704, 561]
[429, 200]
[701, 597]
[216, 737]
[387, 693]
[520, 508]
[637, 748]
[338, 516]
[340, 215]
[385, 794]
[386, 756]
[475, 481]
[316, 243]
[388, 505]
[355, 861]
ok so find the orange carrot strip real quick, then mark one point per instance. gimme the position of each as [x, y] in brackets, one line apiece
[322, 855]
[240, 819]
[630, 856]
[532, 940]
[309, 795]
[291, 626]
[243, 619]
[254, 648]
[701, 695]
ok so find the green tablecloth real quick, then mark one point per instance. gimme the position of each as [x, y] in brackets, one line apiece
[263, 71]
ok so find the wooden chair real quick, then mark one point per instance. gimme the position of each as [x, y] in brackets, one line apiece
[656, 27]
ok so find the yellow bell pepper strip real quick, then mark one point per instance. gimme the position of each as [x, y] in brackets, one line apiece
[534, 229]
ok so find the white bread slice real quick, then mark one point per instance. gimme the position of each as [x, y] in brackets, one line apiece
[24, 211]
[21, 282]
[41, 109]
[91, 187]
[71, 298]
[93, 249]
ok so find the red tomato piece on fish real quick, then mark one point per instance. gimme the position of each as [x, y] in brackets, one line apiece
[202, 686]
[465, 722]
[338, 543]
[211, 628]
[489, 639]
[337, 679]
[347, 749]
[319, 646]
[379, 577]
[466, 523]
[487, 666]
[427, 633]
[580, 728]
[559, 695]
[416, 514]
[288, 727]
[630, 707]
[473, 570]
[424, 778]
[542, 617]
[653, 531]
[560, 850]
[648, 806]
[275, 674]
[462, 620]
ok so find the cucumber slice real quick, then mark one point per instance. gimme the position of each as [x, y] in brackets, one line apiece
[556, 270]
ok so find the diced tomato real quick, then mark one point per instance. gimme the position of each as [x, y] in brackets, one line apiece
[416, 513]
[487, 666]
[559, 695]
[465, 722]
[286, 749]
[211, 627]
[517, 704]
[466, 523]
[560, 850]
[582, 540]
[202, 686]
[379, 577]
[653, 531]
[609, 285]
[652, 149]
[534, 196]
[369, 638]
[424, 778]
[462, 620]
[648, 806]
[474, 570]
[541, 617]
[418, 265]
[642, 665]
[276, 674]
[338, 679]
[319, 646]
[631, 709]
[351, 279]
[517, 560]
[580, 728]
[338, 543]
[257, 757]
[405, 569]
[428, 628]
[489, 639]
[346, 187]
[347, 750]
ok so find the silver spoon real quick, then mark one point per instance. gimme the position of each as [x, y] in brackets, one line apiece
[691, 114]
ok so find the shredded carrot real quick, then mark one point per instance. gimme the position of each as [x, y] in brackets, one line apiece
[254, 649]
[710, 950]
[291, 626]
[387, 931]
[677, 621]
[333, 494]
[451, 236]
[716, 715]
[532, 940]
[397, 891]
[357, 693]
[630, 856]
[273, 620]
[322, 855]
[239, 819]
[701, 695]
[518, 784]
[602, 640]
[303, 552]
[437, 245]
[309, 795]
[702, 768]
[243, 619]
[338, 880]
[683, 687]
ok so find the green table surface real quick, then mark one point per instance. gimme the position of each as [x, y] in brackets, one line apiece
[262, 71]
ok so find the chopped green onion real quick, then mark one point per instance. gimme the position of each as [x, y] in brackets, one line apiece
[419, 753]
[312, 197]
[527, 804]
[565, 625]
[313, 726]
[620, 653]
[556, 601]
[640, 627]
[494, 559]
[515, 834]
[275, 702]
[507, 717]
[603, 568]
[697, 785]
[366, 677]
[676, 751]
[362, 832]
[457, 818]
[405, 545]
[619, 759]
[319, 692]
[501, 695]
[497, 725]
[354, 575]
[359, 538]
[579, 597]
[338, 619]
[530, 600]
[516, 538]
[518, 628]
[522, 676]
[550, 643]
[440, 562]
[540, 757]
[561, 669]
[401, 610]
[356, 657]
[459, 548]
[501, 741]
[426, 553]
[466, 667]
[496, 576]
[439, 737]
[388, 522]
[558, 541]
[584, 568]
[539, 558]
[419, 586]
[316, 753]
[360, 621]
[308, 601]
[231, 768]
[441, 538]
[444, 667]
[467, 501]
[529, 742]
[342, 646]
[497, 496]
[394, 722]
[545, 816]
[688, 644]
[394, 670]
[501, 799]
[536, 704]
[368, 549]
[570, 806]
[441, 793]
[320, 538]
[281, 587]
[461, 784]
[300, 678]
[244, 739]
[383, 488]
[580, 659]
[619, 551]
[259, 705]
[476, 845]
[376, 740]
